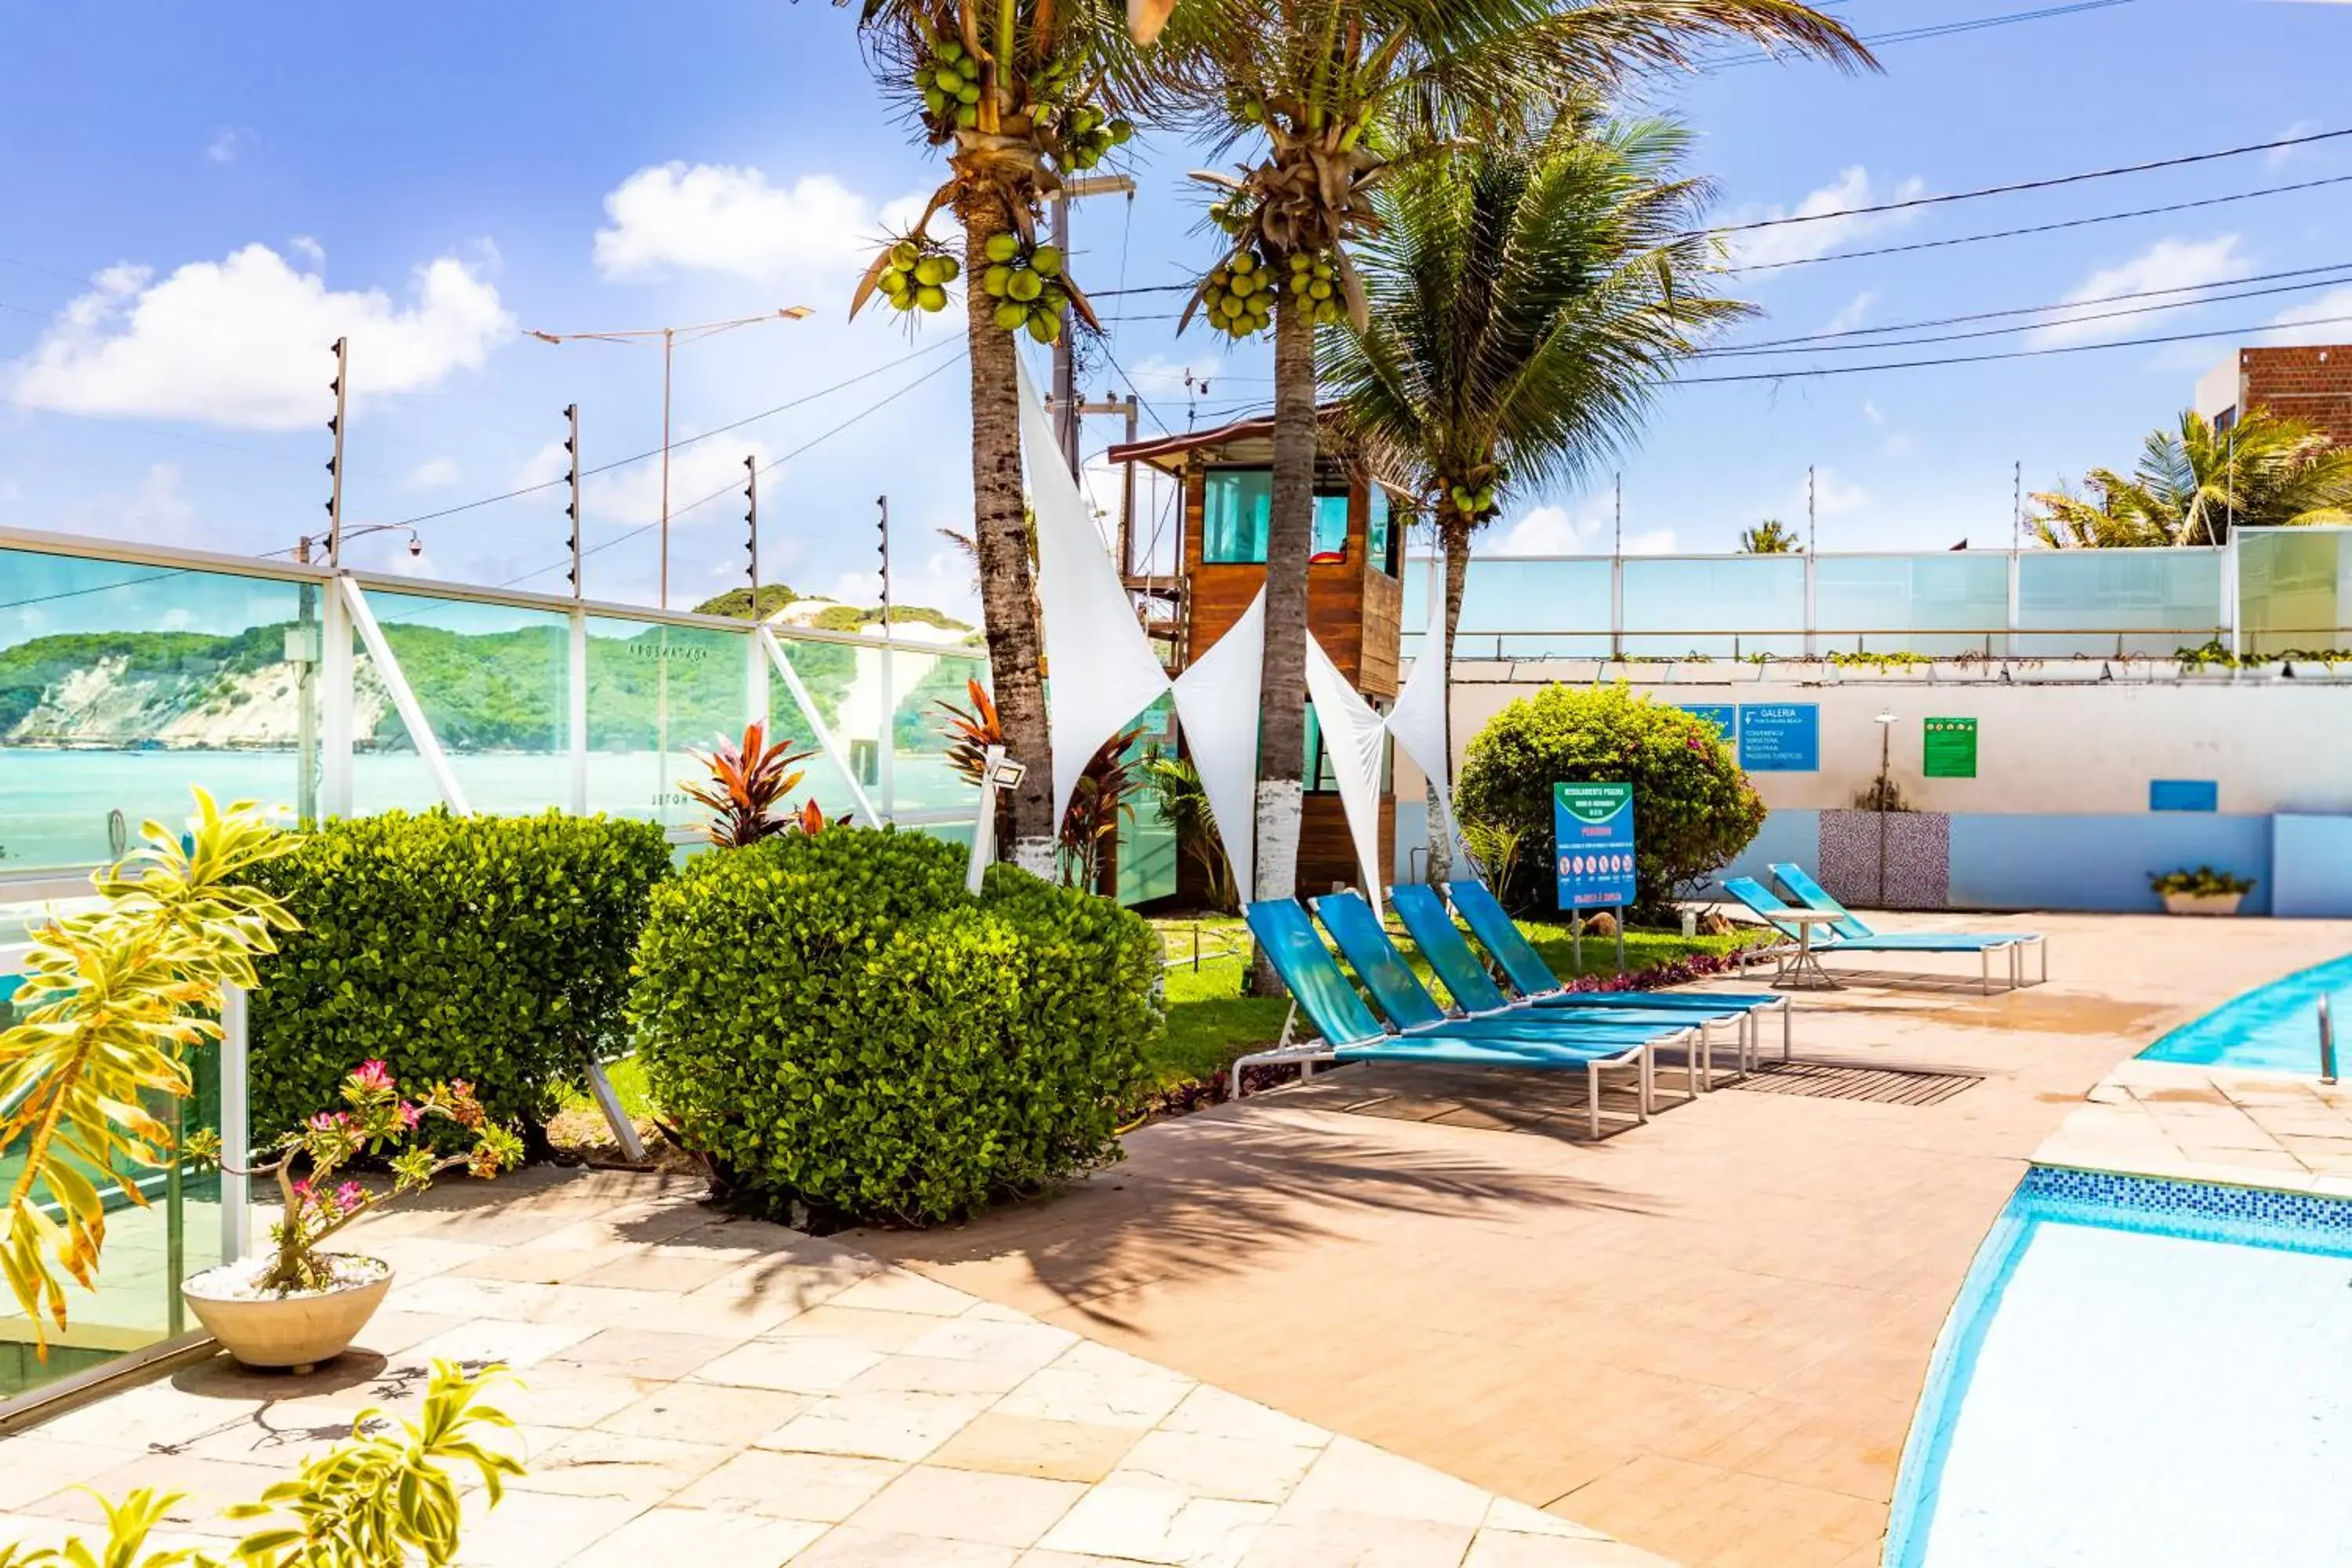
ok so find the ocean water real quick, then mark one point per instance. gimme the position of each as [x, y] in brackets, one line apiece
[2110, 1391]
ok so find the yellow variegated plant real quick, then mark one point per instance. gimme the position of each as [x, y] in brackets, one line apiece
[385, 1500]
[110, 1004]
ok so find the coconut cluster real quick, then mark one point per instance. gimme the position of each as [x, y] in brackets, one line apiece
[916, 276]
[1025, 282]
[948, 79]
[1471, 502]
[1239, 298]
[1316, 281]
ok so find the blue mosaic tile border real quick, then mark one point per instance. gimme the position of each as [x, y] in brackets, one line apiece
[2249, 1216]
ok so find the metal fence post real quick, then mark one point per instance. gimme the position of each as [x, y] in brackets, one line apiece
[576, 679]
[235, 1119]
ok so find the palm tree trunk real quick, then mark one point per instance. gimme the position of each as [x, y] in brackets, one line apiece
[1000, 533]
[1454, 531]
[1282, 691]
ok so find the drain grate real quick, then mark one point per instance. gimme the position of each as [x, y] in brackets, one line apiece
[1879, 1086]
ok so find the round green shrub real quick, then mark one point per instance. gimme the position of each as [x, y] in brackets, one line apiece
[493, 949]
[1693, 809]
[830, 1020]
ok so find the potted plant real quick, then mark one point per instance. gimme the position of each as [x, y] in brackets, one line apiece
[2203, 891]
[299, 1305]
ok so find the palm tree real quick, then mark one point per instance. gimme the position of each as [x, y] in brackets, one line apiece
[2195, 486]
[1529, 297]
[1018, 94]
[1769, 537]
[1318, 89]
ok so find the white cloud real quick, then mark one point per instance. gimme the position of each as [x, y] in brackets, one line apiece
[938, 579]
[1832, 496]
[308, 249]
[243, 342]
[157, 512]
[433, 473]
[1552, 530]
[628, 498]
[2169, 264]
[224, 147]
[2280, 157]
[1851, 314]
[1871, 412]
[1805, 241]
[2320, 320]
[714, 217]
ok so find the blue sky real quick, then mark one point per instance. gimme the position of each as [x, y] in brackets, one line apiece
[203, 200]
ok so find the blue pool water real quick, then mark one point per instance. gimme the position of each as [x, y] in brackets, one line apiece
[2275, 1025]
[2144, 1373]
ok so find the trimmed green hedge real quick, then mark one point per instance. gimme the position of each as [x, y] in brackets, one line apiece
[1693, 809]
[832, 1021]
[494, 949]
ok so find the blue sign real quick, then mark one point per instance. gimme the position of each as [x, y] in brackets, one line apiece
[1723, 716]
[2183, 795]
[1780, 737]
[1592, 836]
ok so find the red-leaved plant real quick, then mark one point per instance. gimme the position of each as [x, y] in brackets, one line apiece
[377, 1120]
[747, 787]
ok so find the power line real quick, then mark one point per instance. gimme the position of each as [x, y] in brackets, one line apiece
[1940, 31]
[2014, 186]
[673, 446]
[2010, 353]
[1825, 340]
[2044, 227]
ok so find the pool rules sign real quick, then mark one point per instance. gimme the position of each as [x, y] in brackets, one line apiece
[1592, 829]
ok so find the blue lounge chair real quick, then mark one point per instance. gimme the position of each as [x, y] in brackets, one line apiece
[1350, 1034]
[1800, 960]
[1450, 955]
[1850, 930]
[1531, 977]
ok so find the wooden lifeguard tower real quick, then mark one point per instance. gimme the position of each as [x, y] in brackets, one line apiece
[1354, 596]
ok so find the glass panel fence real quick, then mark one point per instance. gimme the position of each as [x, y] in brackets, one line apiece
[1945, 605]
[494, 682]
[922, 779]
[1520, 608]
[122, 684]
[827, 670]
[655, 692]
[1724, 607]
[2292, 585]
[1147, 843]
[2094, 603]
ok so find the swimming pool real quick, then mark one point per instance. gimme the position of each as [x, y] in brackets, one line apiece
[2143, 1372]
[2272, 1026]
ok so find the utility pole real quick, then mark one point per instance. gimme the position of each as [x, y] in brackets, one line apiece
[1811, 543]
[1617, 543]
[1065, 386]
[2017, 507]
[571, 506]
[751, 518]
[668, 337]
[883, 503]
[343, 351]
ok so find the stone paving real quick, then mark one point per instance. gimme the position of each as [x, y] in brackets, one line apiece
[2212, 1124]
[722, 1391]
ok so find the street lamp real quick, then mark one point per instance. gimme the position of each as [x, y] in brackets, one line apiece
[669, 337]
[1886, 723]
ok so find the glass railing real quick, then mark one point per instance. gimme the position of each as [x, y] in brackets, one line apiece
[2100, 603]
[1945, 604]
[1725, 607]
[2294, 589]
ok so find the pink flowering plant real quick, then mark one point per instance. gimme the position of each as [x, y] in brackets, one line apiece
[376, 1120]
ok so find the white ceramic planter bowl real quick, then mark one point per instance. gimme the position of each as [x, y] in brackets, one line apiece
[296, 1332]
[2202, 903]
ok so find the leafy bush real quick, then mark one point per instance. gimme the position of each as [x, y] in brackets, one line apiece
[492, 949]
[1693, 809]
[2204, 882]
[832, 1021]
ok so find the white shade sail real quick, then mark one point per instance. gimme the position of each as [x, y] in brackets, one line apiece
[1354, 733]
[1217, 704]
[1100, 667]
[1417, 723]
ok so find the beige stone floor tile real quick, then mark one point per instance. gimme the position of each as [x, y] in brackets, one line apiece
[532, 1265]
[704, 1413]
[510, 1344]
[878, 1425]
[1509, 1514]
[661, 1268]
[699, 1536]
[846, 1548]
[420, 1257]
[1043, 1559]
[884, 1332]
[559, 1393]
[1159, 1524]
[646, 1470]
[1212, 1412]
[532, 1530]
[916, 1373]
[208, 1486]
[1023, 1445]
[968, 1505]
[1247, 1470]
[1351, 1476]
[1508, 1549]
[1358, 1541]
[32, 1465]
[152, 1415]
[393, 1331]
[806, 1365]
[1114, 1397]
[644, 1352]
[903, 1291]
[823, 1488]
[1028, 1344]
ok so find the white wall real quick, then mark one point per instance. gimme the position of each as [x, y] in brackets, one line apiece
[2272, 744]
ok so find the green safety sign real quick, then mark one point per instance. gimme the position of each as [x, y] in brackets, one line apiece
[1952, 749]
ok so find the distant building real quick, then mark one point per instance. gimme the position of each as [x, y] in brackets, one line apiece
[2313, 384]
